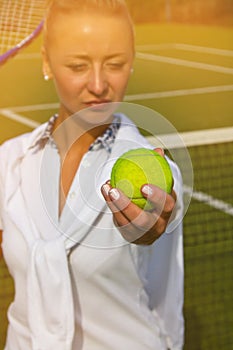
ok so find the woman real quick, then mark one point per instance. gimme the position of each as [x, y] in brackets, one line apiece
[89, 271]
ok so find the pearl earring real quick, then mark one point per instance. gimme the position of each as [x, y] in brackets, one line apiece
[46, 77]
[131, 70]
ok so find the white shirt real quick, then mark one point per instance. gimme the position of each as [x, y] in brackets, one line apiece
[78, 284]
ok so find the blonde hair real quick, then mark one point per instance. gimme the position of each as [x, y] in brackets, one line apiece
[109, 6]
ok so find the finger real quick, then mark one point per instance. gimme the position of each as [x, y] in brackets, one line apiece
[119, 218]
[105, 189]
[135, 225]
[162, 201]
[137, 231]
[142, 220]
[132, 221]
[125, 212]
[159, 151]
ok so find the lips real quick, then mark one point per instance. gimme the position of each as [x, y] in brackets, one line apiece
[95, 103]
[98, 105]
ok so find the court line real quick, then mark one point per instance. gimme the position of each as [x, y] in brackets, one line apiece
[18, 118]
[182, 92]
[188, 138]
[204, 49]
[193, 138]
[31, 108]
[184, 63]
[210, 200]
[186, 47]
[176, 46]
[163, 59]
[198, 195]
[128, 98]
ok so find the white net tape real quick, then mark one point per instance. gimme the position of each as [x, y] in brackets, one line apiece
[18, 19]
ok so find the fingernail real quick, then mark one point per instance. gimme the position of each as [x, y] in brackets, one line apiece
[114, 194]
[106, 189]
[147, 190]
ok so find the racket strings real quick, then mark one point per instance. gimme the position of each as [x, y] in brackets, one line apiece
[18, 19]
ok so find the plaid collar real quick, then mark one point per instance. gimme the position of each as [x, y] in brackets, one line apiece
[104, 141]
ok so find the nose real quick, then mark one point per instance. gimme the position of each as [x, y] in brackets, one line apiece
[97, 84]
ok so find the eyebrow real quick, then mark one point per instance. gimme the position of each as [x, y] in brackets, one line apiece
[84, 56]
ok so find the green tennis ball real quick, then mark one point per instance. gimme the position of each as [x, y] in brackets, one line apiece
[138, 167]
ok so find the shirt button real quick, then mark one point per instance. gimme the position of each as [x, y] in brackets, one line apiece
[72, 195]
[86, 163]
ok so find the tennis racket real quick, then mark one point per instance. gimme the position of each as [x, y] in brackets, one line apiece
[20, 23]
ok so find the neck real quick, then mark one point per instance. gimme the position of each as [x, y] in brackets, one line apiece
[74, 132]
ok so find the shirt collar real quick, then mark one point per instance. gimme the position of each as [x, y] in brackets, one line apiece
[106, 140]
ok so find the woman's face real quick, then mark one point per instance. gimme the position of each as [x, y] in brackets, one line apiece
[89, 56]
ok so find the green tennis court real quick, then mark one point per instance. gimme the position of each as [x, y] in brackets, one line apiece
[186, 74]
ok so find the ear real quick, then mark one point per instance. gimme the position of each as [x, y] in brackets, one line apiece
[46, 69]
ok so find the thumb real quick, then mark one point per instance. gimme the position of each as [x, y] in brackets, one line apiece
[159, 151]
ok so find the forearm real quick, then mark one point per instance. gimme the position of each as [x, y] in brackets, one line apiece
[0, 244]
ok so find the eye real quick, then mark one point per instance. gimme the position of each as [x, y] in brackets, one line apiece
[82, 67]
[115, 65]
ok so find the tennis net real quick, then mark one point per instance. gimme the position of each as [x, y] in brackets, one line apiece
[208, 239]
[208, 243]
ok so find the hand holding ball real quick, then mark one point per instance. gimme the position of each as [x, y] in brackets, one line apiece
[138, 167]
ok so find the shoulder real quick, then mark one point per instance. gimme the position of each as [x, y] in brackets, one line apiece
[15, 143]
[16, 147]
